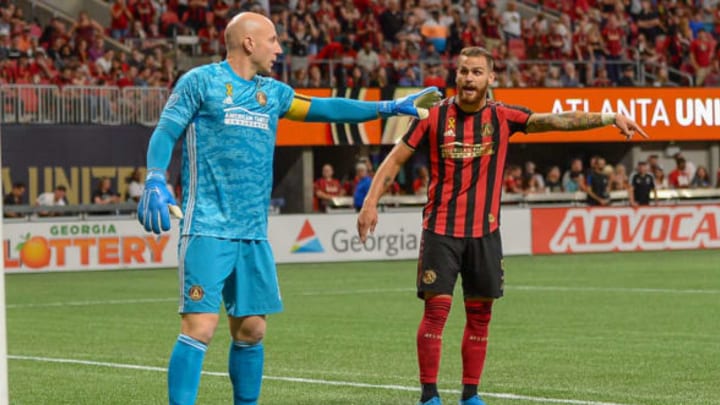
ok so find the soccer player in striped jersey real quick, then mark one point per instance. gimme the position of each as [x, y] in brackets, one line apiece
[466, 137]
[226, 115]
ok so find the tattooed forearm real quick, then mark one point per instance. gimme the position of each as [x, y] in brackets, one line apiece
[388, 181]
[569, 121]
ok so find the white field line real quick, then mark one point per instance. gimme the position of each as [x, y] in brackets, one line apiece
[532, 288]
[381, 291]
[313, 381]
[612, 289]
[87, 303]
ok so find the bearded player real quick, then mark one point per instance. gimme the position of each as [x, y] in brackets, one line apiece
[466, 137]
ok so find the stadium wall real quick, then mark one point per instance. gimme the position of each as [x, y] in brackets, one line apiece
[43, 156]
[122, 244]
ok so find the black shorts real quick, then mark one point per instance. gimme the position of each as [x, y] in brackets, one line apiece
[478, 260]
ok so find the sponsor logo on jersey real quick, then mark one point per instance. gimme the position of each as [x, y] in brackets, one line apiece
[459, 150]
[245, 118]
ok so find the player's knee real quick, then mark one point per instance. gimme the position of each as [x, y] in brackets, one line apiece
[250, 339]
[250, 330]
[199, 327]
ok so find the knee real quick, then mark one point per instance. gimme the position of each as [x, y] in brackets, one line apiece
[200, 327]
[250, 330]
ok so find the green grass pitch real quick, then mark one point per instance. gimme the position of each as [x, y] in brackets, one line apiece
[630, 328]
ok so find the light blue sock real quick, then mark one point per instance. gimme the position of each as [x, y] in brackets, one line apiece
[184, 370]
[245, 365]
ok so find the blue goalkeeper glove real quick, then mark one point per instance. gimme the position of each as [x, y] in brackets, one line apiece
[156, 204]
[416, 104]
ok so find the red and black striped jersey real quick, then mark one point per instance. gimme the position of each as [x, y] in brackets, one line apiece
[467, 154]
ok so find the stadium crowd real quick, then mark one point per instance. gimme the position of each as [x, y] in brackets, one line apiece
[379, 43]
[387, 43]
[77, 54]
[526, 179]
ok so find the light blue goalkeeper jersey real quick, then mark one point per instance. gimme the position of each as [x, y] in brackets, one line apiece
[227, 167]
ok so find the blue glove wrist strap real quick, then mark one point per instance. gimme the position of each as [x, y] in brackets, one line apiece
[155, 174]
[387, 108]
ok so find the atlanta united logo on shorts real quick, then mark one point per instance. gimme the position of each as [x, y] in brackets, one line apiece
[429, 276]
[196, 293]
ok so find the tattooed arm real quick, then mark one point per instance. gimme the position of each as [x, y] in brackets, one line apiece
[579, 121]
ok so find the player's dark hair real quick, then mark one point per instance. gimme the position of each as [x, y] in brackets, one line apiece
[61, 188]
[19, 185]
[475, 51]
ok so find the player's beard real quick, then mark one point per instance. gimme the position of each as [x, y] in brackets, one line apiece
[471, 96]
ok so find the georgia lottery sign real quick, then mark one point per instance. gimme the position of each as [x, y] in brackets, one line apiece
[86, 245]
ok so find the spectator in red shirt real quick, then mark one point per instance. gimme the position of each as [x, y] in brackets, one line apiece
[613, 35]
[220, 14]
[170, 24]
[326, 188]
[602, 80]
[679, 177]
[209, 40]
[701, 52]
[120, 19]
[85, 28]
[435, 76]
[195, 16]
[491, 27]
[513, 179]
[144, 12]
[46, 67]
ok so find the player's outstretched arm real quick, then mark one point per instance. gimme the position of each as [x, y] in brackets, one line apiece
[384, 177]
[578, 121]
[336, 109]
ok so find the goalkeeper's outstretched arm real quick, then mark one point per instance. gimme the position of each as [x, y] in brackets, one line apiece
[336, 109]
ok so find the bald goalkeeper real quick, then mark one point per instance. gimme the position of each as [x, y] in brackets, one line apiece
[226, 116]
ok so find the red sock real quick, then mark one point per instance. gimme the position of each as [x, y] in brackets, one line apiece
[429, 337]
[474, 344]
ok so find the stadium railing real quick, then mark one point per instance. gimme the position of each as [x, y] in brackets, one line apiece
[578, 199]
[111, 105]
[108, 105]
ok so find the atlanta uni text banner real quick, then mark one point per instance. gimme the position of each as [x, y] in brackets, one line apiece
[666, 114]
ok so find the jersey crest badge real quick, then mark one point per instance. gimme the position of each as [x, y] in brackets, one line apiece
[228, 94]
[487, 130]
[261, 98]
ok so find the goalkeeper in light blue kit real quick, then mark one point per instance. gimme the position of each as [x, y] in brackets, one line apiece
[226, 116]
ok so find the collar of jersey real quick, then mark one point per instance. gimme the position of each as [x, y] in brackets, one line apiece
[237, 77]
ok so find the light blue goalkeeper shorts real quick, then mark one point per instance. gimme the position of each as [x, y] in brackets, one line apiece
[241, 273]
